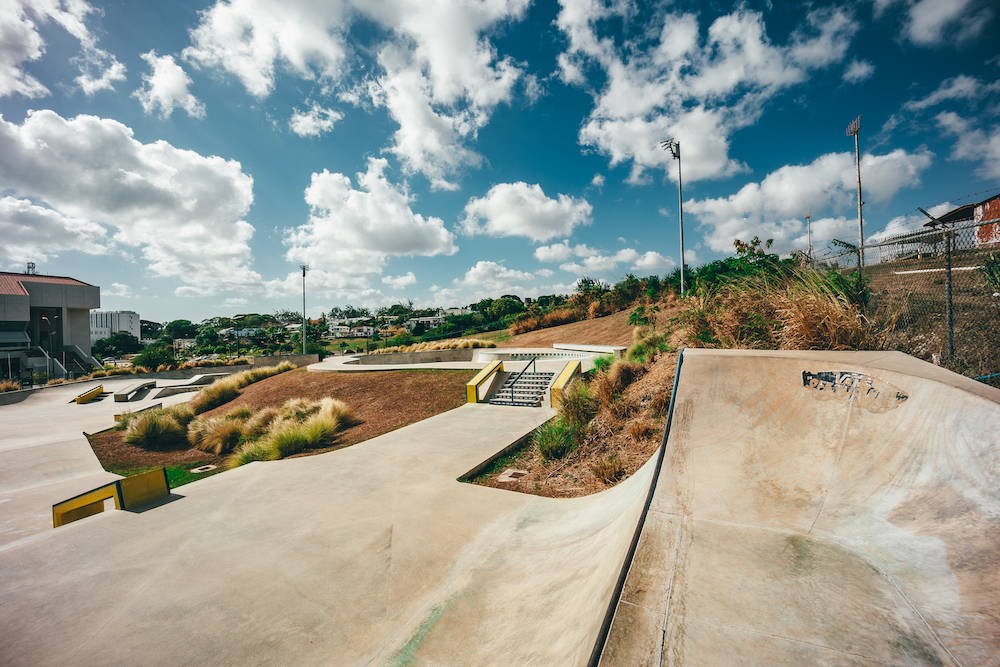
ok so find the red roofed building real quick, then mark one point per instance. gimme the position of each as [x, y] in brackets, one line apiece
[45, 324]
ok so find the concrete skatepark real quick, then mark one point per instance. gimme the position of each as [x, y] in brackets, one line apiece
[806, 508]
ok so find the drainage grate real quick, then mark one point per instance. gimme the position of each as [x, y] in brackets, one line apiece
[204, 468]
[511, 475]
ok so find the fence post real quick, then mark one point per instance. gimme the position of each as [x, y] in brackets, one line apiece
[949, 313]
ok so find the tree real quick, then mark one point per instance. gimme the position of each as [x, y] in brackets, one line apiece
[207, 337]
[502, 307]
[180, 329]
[155, 356]
[115, 345]
[149, 328]
[287, 316]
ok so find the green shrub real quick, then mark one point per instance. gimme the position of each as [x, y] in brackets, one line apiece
[603, 363]
[155, 431]
[555, 439]
[576, 405]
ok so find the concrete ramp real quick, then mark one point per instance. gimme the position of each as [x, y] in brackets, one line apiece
[819, 508]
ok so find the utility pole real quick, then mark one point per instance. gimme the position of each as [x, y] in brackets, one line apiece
[852, 130]
[675, 151]
[304, 267]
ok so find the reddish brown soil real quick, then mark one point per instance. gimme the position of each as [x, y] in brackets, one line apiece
[383, 400]
[116, 455]
[643, 402]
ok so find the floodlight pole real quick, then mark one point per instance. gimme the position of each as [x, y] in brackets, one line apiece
[675, 151]
[852, 130]
[304, 267]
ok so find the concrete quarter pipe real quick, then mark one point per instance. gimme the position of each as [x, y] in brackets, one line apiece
[819, 508]
[807, 508]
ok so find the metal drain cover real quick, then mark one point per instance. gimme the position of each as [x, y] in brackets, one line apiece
[204, 468]
[511, 475]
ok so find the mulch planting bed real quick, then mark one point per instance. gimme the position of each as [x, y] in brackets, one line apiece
[383, 400]
[610, 431]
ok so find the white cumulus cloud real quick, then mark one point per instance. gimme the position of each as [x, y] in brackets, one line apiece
[858, 71]
[973, 143]
[697, 87]
[399, 282]
[519, 209]
[351, 233]
[166, 88]
[314, 122]
[33, 233]
[21, 42]
[485, 280]
[184, 210]
[775, 207]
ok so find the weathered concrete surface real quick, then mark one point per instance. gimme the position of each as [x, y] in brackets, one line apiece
[796, 525]
[44, 456]
[374, 553]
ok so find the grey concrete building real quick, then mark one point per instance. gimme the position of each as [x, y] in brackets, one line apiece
[45, 324]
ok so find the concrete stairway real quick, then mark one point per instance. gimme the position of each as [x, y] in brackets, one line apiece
[523, 390]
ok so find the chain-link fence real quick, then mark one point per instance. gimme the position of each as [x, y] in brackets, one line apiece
[939, 292]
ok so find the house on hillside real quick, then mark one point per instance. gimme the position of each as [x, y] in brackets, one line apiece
[45, 324]
[428, 322]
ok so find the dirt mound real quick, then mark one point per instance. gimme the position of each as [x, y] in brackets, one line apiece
[384, 400]
[608, 330]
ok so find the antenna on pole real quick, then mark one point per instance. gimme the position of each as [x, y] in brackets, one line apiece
[852, 131]
[675, 151]
[304, 267]
[809, 234]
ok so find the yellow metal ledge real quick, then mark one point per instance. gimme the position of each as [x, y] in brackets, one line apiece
[90, 394]
[472, 386]
[127, 493]
[569, 371]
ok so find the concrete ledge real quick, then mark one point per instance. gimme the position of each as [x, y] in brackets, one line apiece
[423, 357]
[615, 350]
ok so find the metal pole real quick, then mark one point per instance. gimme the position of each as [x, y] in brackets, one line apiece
[680, 205]
[949, 313]
[861, 226]
[304, 268]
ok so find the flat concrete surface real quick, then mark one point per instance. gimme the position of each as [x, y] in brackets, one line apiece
[44, 456]
[796, 524]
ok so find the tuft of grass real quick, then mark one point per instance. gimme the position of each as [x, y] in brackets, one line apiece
[609, 469]
[607, 386]
[603, 363]
[555, 439]
[216, 435]
[155, 430]
[641, 430]
[249, 452]
[276, 433]
[454, 344]
[576, 406]
[9, 385]
[226, 389]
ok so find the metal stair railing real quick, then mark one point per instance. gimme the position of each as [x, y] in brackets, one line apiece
[513, 381]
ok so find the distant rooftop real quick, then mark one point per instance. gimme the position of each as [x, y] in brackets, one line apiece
[11, 283]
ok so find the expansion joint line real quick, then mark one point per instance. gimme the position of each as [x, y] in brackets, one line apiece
[388, 568]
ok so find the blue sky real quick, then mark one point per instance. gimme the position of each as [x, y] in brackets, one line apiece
[189, 156]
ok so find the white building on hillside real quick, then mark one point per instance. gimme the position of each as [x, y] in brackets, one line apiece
[106, 322]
